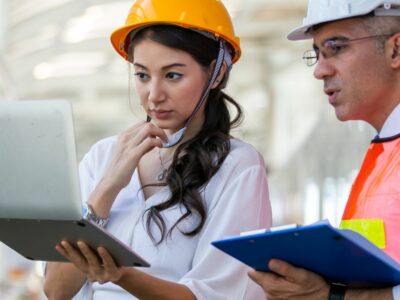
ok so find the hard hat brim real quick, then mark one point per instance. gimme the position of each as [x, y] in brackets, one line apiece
[118, 38]
[300, 33]
[208, 16]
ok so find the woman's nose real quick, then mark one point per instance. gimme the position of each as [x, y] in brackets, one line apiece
[156, 92]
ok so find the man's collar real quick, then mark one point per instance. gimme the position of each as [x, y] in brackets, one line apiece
[391, 127]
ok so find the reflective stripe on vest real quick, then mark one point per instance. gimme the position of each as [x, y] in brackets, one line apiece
[372, 229]
[375, 193]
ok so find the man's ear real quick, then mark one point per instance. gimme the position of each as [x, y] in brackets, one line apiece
[394, 48]
[220, 76]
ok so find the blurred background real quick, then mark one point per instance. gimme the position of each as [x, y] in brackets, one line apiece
[59, 49]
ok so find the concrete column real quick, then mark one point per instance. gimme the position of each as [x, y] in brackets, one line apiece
[3, 24]
[8, 88]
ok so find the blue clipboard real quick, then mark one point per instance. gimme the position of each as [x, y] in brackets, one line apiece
[338, 255]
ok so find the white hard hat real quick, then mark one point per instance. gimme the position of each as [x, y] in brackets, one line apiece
[321, 11]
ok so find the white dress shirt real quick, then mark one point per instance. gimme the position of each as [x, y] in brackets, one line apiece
[391, 127]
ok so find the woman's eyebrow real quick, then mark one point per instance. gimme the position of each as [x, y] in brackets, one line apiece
[163, 68]
[139, 65]
[173, 65]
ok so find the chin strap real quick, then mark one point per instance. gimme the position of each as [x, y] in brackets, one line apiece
[217, 69]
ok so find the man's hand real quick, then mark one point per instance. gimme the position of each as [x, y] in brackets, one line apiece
[289, 282]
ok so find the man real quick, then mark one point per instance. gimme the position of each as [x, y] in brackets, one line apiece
[357, 55]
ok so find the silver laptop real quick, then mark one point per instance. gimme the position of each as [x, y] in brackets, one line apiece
[40, 202]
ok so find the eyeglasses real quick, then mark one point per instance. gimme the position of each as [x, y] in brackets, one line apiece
[333, 47]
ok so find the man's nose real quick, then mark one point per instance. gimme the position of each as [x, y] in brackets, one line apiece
[323, 68]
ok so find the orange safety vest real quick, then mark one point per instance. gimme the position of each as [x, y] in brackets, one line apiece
[375, 193]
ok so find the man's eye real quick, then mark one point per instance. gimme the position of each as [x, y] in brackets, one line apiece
[336, 48]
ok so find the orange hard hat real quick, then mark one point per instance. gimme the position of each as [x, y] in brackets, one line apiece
[209, 16]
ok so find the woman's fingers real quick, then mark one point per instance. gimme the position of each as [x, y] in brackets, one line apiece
[99, 266]
[141, 133]
[107, 260]
[132, 145]
[90, 256]
[60, 249]
[73, 255]
[112, 270]
[71, 252]
[134, 127]
[95, 271]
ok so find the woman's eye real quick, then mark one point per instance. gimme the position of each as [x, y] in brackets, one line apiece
[173, 76]
[142, 76]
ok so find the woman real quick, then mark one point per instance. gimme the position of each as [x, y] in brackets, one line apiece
[169, 187]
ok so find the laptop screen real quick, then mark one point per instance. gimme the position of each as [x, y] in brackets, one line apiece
[38, 166]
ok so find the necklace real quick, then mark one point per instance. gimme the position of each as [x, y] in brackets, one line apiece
[164, 170]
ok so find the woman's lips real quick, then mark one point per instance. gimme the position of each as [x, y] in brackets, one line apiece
[161, 114]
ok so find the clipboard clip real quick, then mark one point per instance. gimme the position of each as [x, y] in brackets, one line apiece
[271, 229]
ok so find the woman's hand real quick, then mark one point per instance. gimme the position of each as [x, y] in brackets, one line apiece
[98, 266]
[131, 146]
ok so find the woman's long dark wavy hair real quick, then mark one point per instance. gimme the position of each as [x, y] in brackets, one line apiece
[197, 160]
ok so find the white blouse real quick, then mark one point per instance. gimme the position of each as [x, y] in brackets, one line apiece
[236, 199]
